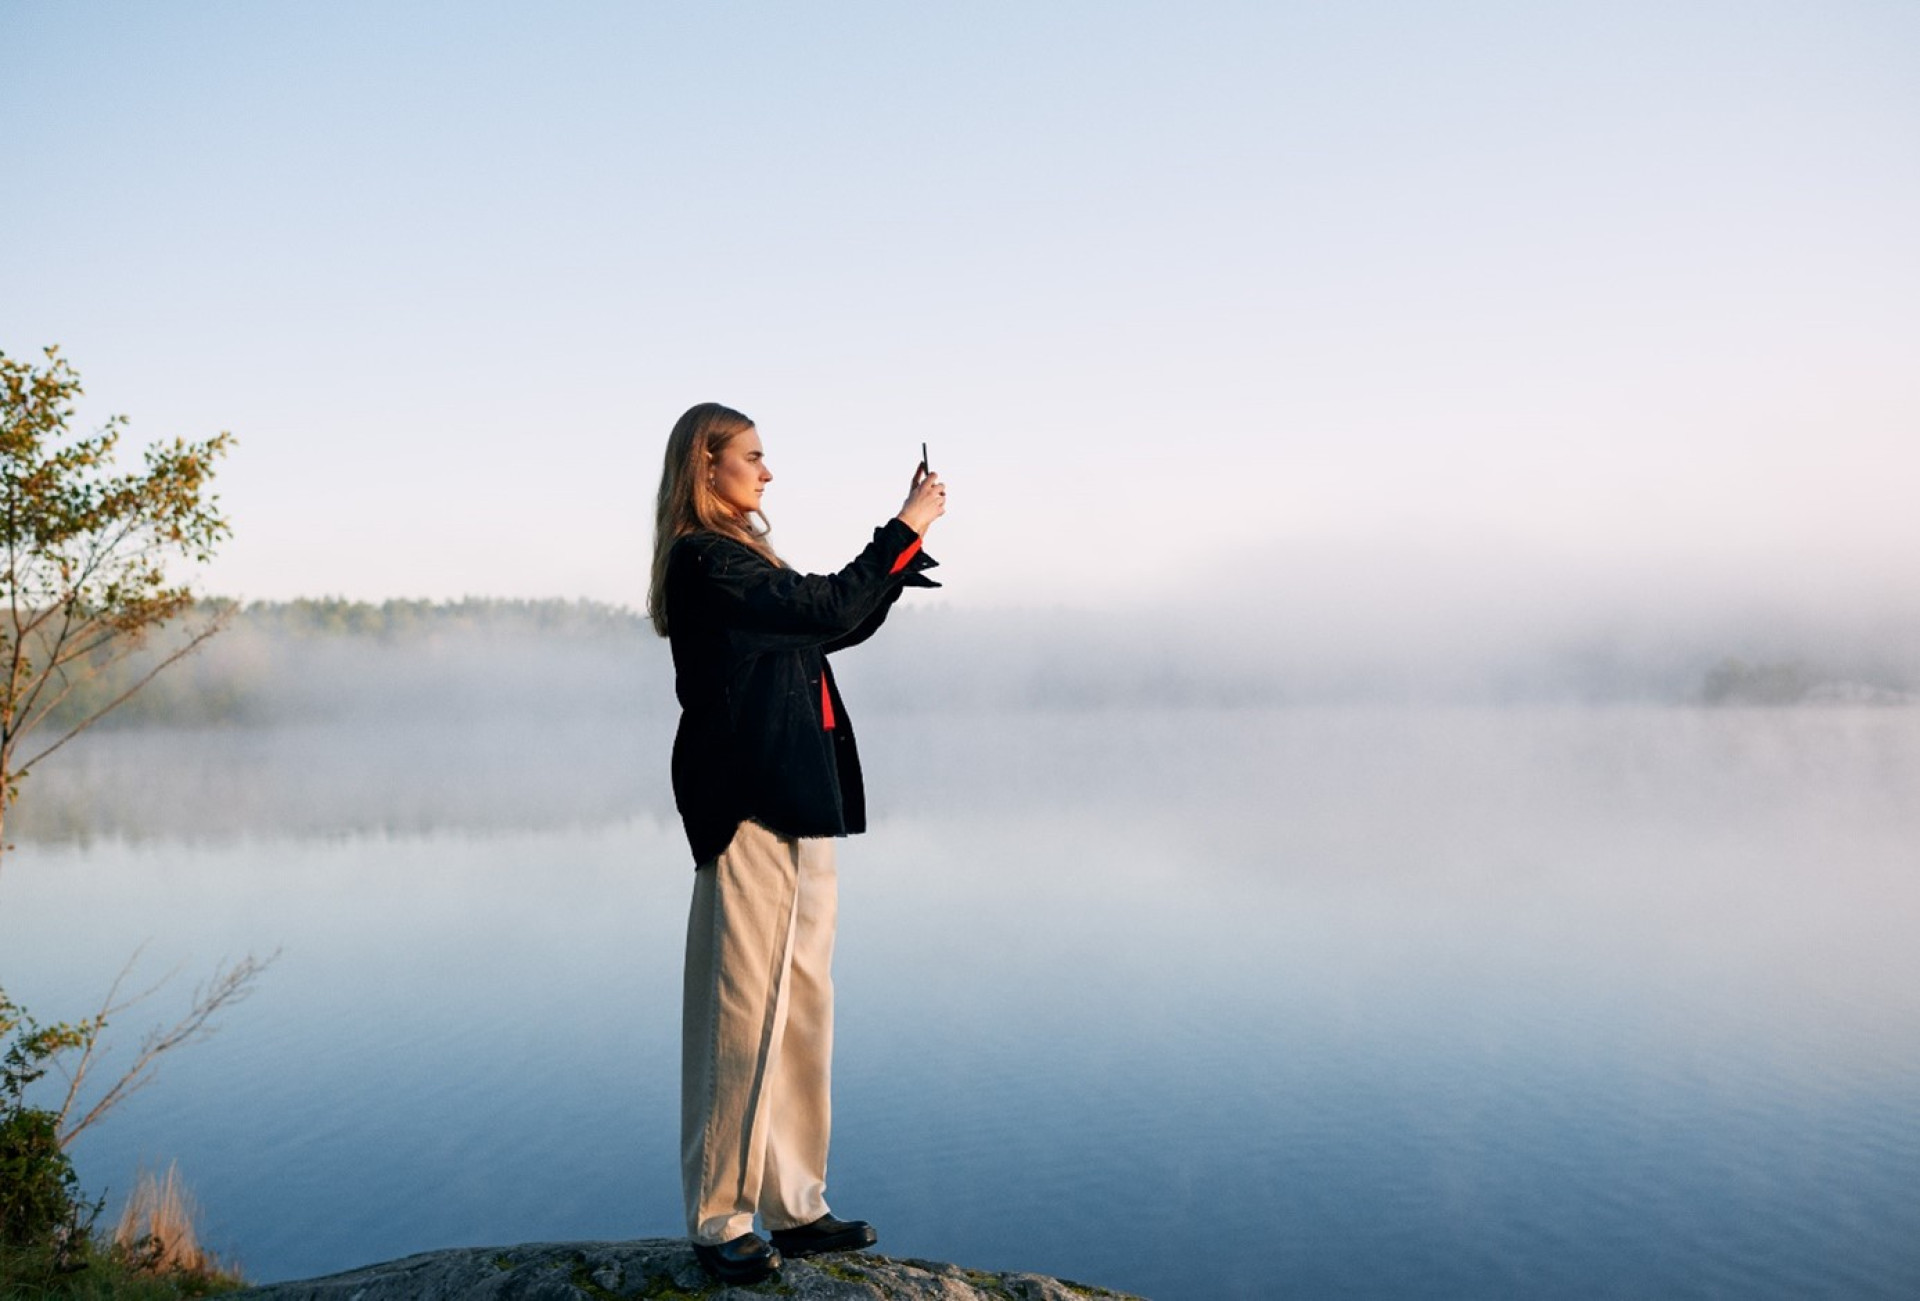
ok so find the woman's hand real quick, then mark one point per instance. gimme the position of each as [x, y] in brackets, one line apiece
[926, 502]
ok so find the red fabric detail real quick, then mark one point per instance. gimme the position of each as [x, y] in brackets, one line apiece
[826, 705]
[905, 556]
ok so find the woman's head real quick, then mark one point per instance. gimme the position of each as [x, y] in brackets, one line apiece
[711, 481]
[737, 474]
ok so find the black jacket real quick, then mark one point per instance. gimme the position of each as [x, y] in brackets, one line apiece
[763, 733]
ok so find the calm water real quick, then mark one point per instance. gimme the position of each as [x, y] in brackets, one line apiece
[1320, 1003]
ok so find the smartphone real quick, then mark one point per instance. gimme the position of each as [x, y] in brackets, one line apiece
[923, 459]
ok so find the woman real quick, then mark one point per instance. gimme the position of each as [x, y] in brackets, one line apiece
[764, 773]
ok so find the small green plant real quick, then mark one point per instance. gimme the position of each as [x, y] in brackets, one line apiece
[45, 1224]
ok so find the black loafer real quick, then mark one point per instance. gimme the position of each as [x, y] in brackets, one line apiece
[823, 1235]
[745, 1259]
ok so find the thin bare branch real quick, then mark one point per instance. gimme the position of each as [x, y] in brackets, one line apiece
[228, 986]
[111, 1005]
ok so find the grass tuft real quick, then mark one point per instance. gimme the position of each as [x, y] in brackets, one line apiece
[159, 1228]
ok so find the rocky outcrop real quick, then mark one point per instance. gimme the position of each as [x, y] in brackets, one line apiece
[660, 1269]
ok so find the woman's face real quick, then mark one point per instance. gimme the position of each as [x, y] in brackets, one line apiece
[740, 473]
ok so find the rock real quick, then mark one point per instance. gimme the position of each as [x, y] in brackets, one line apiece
[660, 1269]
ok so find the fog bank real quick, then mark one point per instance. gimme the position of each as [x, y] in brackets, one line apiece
[1325, 635]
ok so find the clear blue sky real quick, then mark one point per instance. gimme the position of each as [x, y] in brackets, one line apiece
[1177, 294]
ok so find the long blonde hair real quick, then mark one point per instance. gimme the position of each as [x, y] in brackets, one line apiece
[687, 501]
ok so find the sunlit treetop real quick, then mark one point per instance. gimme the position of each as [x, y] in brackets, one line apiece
[86, 549]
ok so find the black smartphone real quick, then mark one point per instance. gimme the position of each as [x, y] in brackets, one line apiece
[923, 459]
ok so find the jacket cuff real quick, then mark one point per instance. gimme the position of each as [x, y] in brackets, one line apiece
[910, 559]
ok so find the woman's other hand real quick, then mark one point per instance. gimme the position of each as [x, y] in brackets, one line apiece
[926, 502]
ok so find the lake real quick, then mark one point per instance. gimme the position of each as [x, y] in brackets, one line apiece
[1196, 1003]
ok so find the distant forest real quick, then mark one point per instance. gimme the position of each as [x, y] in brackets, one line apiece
[395, 661]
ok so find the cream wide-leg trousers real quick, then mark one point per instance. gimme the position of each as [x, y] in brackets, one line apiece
[756, 1035]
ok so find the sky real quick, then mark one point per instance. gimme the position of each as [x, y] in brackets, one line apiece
[1212, 300]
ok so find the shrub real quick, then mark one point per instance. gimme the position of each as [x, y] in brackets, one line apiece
[39, 1195]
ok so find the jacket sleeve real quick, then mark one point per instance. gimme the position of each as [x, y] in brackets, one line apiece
[909, 567]
[752, 595]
